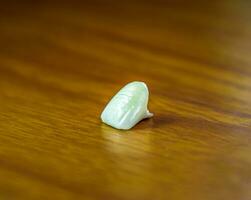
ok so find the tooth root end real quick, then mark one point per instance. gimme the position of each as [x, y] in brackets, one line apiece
[148, 114]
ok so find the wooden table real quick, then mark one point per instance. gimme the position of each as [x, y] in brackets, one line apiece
[60, 63]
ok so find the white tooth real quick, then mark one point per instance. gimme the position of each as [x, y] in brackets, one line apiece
[127, 107]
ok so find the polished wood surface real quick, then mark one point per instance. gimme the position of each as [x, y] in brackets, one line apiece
[61, 62]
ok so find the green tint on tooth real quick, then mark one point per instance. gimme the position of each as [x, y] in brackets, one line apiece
[127, 107]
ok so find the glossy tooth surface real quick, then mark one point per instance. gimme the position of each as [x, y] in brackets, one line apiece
[127, 107]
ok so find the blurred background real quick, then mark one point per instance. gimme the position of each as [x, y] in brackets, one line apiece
[61, 62]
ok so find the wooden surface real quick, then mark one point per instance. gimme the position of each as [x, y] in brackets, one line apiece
[61, 62]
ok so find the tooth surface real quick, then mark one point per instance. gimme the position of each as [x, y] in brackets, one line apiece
[127, 107]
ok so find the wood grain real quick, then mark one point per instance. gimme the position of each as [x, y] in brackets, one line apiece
[61, 62]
